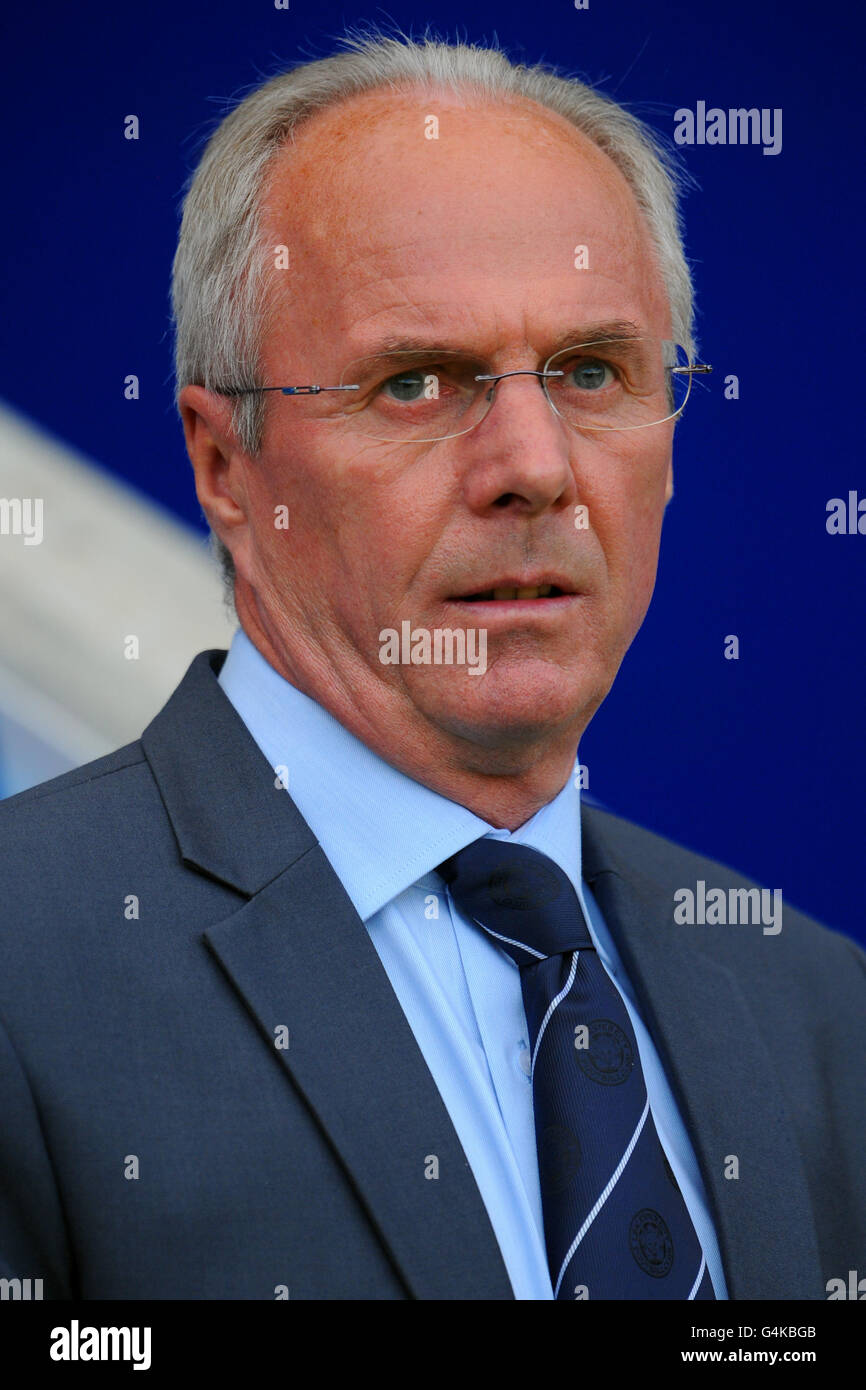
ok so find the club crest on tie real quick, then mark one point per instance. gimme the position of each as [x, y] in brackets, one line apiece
[608, 1057]
[524, 887]
[651, 1243]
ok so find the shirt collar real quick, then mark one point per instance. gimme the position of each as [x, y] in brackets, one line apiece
[380, 829]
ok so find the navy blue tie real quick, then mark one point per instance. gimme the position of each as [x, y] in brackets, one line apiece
[615, 1222]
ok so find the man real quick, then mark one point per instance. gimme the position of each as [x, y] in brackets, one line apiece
[328, 988]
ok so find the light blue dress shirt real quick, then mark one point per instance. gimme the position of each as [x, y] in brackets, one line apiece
[384, 834]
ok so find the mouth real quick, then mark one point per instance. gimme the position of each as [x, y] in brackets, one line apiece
[503, 592]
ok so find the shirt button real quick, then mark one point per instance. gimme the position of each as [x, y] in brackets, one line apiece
[525, 1061]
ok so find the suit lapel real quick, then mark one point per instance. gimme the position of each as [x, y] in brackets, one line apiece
[300, 958]
[724, 1081]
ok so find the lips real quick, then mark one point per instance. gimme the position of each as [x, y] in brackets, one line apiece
[509, 591]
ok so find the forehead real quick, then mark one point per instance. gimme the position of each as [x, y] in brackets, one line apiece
[476, 231]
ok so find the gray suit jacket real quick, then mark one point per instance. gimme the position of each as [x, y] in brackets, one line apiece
[163, 915]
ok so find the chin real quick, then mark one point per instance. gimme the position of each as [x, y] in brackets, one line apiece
[511, 703]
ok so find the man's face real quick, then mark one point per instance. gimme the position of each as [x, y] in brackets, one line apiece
[468, 239]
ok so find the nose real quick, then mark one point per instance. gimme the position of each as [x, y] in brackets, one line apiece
[521, 449]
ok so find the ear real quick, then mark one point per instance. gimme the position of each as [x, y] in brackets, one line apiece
[216, 459]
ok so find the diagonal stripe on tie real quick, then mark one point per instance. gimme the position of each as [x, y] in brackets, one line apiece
[616, 1225]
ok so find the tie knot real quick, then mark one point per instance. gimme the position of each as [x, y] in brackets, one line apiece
[520, 897]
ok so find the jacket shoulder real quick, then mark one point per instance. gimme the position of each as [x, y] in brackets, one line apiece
[612, 842]
[67, 832]
[79, 780]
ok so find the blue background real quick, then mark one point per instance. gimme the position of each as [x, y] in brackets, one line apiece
[759, 762]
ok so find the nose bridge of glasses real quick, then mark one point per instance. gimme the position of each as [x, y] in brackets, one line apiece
[488, 392]
[520, 371]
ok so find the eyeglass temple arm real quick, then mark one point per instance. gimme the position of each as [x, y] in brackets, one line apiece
[286, 390]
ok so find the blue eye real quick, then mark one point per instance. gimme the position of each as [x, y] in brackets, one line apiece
[405, 386]
[589, 375]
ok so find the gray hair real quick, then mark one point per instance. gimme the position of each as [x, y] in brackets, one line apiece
[219, 297]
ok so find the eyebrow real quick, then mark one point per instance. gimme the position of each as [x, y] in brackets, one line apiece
[615, 330]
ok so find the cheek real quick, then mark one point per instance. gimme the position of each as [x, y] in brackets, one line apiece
[638, 560]
[629, 513]
[360, 523]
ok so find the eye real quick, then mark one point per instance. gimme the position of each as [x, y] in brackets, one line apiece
[408, 385]
[590, 374]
